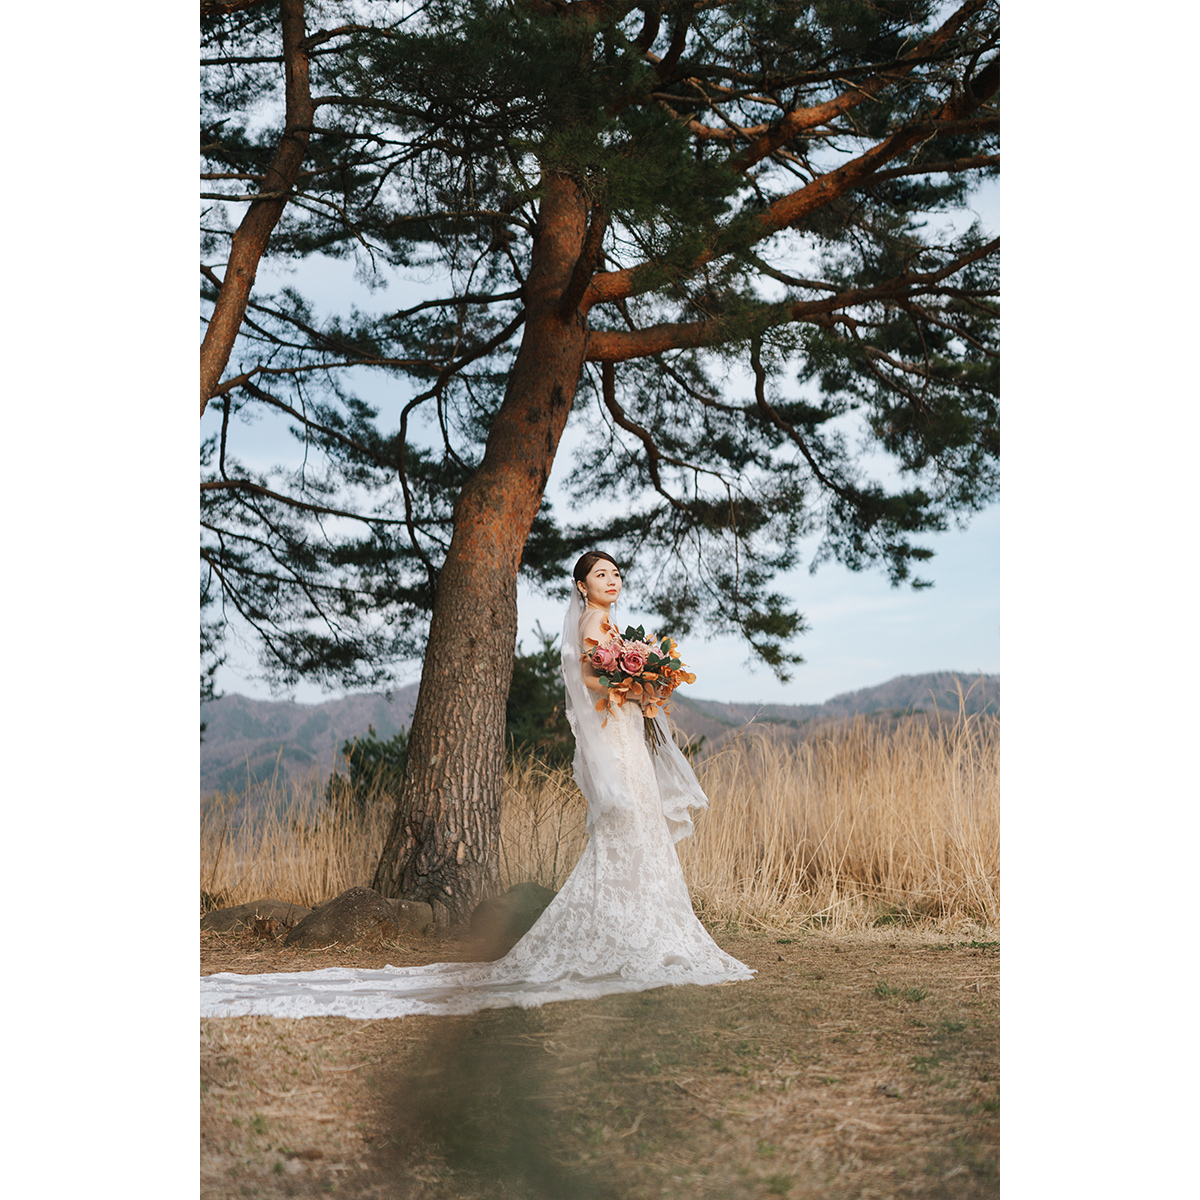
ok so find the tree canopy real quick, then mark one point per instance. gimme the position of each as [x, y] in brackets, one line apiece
[772, 298]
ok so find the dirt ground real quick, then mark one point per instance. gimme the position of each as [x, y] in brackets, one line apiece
[854, 1065]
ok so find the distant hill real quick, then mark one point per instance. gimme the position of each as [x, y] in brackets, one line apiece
[246, 739]
[255, 739]
[935, 691]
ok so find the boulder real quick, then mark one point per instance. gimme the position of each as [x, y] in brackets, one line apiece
[413, 915]
[358, 917]
[244, 916]
[501, 921]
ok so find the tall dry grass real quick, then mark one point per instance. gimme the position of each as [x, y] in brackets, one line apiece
[857, 825]
[285, 843]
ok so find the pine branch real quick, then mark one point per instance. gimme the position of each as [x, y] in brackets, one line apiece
[243, 379]
[254, 232]
[453, 301]
[613, 345]
[802, 119]
[224, 8]
[653, 455]
[782, 423]
[585, 265]
[794, 207]
[948, 166]
[256, 489]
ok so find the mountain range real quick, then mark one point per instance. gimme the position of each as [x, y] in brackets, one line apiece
[248, 740]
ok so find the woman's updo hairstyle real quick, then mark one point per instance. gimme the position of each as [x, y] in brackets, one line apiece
[587, 562]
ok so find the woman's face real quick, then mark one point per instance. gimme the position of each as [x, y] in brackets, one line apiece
[603, 583]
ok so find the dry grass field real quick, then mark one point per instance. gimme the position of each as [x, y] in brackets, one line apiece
[855, 1066]
[857, 872]
[855, 826]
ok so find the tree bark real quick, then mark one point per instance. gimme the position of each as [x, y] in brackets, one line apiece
[250, 241]
[442, 846]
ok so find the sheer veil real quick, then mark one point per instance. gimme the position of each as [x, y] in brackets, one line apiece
[622, 922]
[595, 770]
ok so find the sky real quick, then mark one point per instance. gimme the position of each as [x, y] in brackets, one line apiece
[861, 630]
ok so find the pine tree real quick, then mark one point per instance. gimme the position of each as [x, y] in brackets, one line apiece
[630, 209]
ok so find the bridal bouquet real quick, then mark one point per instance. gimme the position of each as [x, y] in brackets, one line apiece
[634, 667]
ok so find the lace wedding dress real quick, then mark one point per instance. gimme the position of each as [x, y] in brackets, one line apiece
[623, 921]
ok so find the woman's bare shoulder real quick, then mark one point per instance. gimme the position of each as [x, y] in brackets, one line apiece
[592, 626]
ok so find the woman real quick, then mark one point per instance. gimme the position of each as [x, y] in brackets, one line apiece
[623, 921]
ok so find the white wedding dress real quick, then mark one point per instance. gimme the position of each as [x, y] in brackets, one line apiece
[623, 921]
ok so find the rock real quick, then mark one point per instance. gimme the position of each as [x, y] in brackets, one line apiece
[503, 920]
[244, 916]
[358, 917]
[413, 915]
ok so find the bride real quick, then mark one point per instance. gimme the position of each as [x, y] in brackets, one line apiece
[623, 921]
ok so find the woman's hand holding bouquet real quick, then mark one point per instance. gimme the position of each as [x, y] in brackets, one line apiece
[632, 667]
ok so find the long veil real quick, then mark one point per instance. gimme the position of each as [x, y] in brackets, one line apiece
[622, 922]
[595, 771]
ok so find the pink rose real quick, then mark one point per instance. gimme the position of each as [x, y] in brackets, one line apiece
[604, 658]
[634, 660]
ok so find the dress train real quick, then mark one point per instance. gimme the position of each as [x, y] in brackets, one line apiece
[623, 922]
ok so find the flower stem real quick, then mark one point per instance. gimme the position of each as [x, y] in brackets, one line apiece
[653, 734]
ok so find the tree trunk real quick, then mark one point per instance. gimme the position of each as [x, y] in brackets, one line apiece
[250, 241]
[443, 844]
